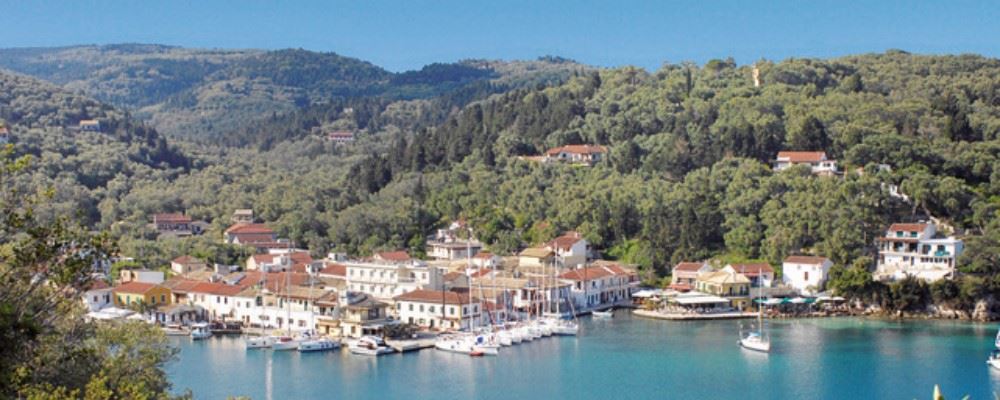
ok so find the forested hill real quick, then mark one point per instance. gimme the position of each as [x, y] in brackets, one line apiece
[197, 93]
[81, 167]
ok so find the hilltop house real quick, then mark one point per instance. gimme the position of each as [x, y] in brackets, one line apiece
[684, 274]
[4, 135]
[279, 261]
[340, 137]
[570, 250]
[90, 125]
[577, 154]
[172, 222]
[256, 235]
[759, 274]
[806, 274]
[916, 249]
[816, 160]
[242, 216]
[435, 309]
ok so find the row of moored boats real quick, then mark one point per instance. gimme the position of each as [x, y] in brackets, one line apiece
[489, 341]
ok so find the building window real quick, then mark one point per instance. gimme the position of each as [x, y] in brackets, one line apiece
[411, 306]
[431, 309]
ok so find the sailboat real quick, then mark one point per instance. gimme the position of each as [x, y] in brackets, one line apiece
[757, 340]
[471, 343]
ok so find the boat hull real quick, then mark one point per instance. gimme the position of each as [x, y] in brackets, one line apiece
[318, 345]
[755, 345]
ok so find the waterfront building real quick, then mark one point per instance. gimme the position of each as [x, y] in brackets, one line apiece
[361, 315]
[760, 274]
[436, 309]
[389, 275]
[684, 274]
[816, 160]
[807, 274]
[725, 283]
[600, 286]
[97, 294]
[134, 293]
[916, 249]
[186, 264]
[525, 295]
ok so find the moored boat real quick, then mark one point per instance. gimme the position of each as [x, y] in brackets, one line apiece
[200, 331]
[175, 330]
[370, 346]
[260, 342]
[319, 344]
[603, 314]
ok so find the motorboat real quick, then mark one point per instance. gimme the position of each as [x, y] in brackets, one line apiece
[286, 343]
[562, 327]
[260, 342]
[370, 346]
[505, 338]
[200, 331]
[175, 330]
[318, 344]
[467, 345]
[603, 314]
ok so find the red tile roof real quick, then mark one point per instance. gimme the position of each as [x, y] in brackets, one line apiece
[586, 274]
[753, 269]
[565, 242]
[577, 149]
[96, 284]
[484, 255]
[135, 287]
[802, 156]
[180, 285]
[918, 227]
[214, 288]
[397, 256]
[434, 296]
[334, 269]
[258, 239]
[688, 266]
[480, 273]
[813, 260]
[187, 260]
[249, 228]
[171, 217]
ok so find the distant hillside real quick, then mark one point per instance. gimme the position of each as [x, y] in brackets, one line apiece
[199, 93]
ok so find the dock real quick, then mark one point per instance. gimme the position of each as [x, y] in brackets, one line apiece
[693, 316]
[403, 346]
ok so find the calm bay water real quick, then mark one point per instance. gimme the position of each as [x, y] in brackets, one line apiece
[625, 358]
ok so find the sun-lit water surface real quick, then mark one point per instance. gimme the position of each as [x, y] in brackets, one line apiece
[625, 358]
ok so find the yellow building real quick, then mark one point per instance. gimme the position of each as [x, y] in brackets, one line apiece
[148, 293]
[728, 284]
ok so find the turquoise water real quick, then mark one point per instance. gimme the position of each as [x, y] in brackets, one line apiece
[625, 358]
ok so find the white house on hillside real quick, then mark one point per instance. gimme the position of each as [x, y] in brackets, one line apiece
[806, 274]
[916, 249]
[759, 274]
[570, 250]
[814, 159]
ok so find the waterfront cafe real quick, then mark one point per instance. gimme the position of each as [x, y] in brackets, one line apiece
[698, 303]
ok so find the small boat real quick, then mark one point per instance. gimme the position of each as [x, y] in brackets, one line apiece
[603, 314]
[200, 331]
[260, 342]
[370, 346]
[286, 343]
[226, 328]
[755, 341]
[175, 330]
[320, 344]
[561, 327]
[505, 338]
[994, 360]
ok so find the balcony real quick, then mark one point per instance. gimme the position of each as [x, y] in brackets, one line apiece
[942, 253]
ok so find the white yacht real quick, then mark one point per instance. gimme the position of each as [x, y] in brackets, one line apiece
[200, 331]
[319, 344]
[260, 342]
[175, 330]
[603, 314]
[757, 340]
[286, 343]
[370, 346]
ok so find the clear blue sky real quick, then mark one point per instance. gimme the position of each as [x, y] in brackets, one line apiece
[401, 35]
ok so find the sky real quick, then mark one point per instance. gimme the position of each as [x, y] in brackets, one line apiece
[403, 35]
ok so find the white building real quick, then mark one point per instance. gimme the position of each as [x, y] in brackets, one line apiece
[570, 250]
[384, 280]
[599, 287]
[916, 249]
[684, 274]
[141, 275]
[816, 160]
[446, 245]
[759, 274]
[807, 274]
[434, 309]
[577, 153]
[97, 295]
